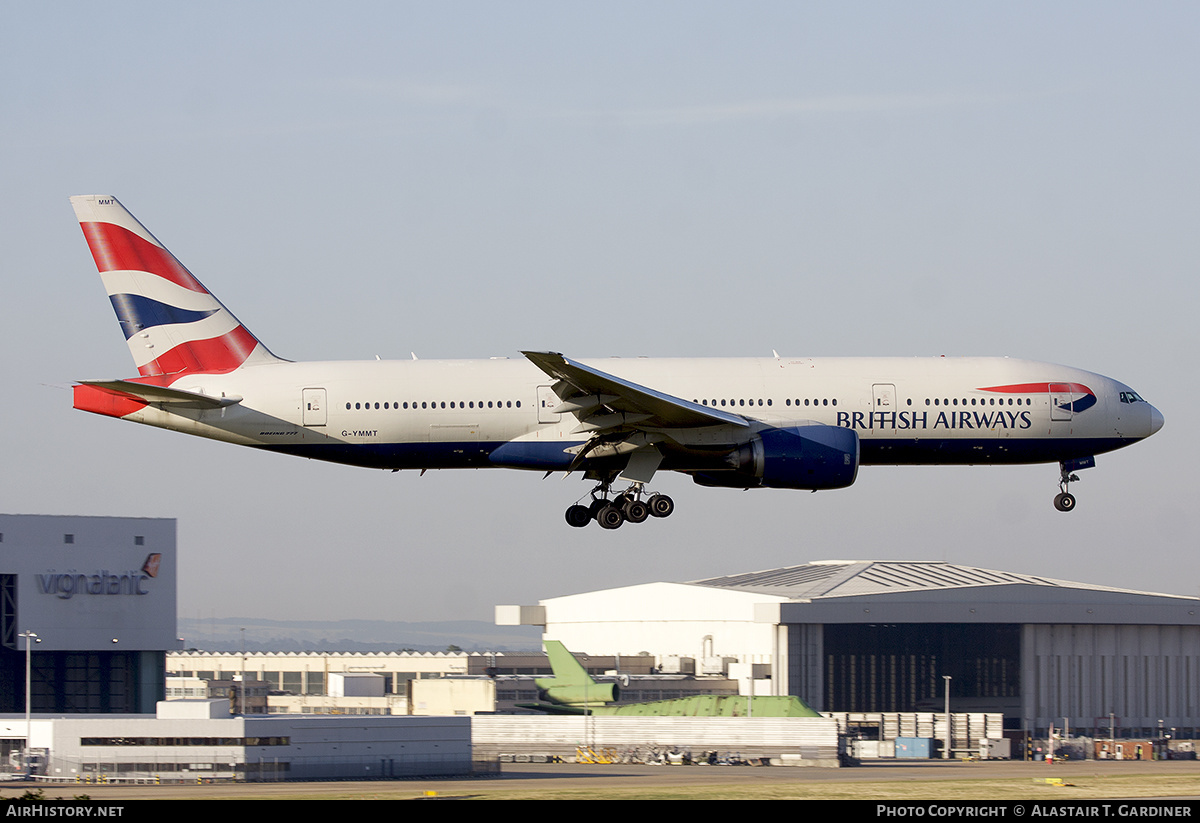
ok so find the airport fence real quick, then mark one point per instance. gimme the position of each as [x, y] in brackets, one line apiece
[802, 740]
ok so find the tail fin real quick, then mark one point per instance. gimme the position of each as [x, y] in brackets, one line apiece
[567, 670]
[174, 326]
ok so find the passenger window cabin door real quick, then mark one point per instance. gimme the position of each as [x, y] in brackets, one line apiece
[547, 401]
[1060, 401]
[883, 407]
[312, 407]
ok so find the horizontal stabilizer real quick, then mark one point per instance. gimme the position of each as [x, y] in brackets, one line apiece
[163, 395]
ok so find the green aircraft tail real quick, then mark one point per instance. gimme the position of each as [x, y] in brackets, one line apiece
[572, 686]
[567, 670]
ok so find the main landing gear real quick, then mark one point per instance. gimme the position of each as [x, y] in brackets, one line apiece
[627, 506]
[1064, 501]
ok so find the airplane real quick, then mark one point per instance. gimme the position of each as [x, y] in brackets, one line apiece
[800, 423]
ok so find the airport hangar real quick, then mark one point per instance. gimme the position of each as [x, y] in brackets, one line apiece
[862, 636]
[98, 596]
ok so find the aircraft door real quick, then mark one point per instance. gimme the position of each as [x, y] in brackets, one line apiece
[547, 400]
[1060, 401]
[883, 407]
[312, 407]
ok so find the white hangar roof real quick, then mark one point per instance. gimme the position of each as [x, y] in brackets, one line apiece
[843, 578]
[850, 591]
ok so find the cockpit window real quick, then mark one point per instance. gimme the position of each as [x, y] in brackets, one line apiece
[1131, 397]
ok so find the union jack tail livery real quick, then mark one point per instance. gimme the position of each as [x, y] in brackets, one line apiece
[173, 325]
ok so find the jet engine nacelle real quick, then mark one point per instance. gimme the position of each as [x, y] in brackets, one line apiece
[802, 456]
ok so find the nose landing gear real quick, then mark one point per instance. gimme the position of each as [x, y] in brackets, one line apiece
[1064, 501]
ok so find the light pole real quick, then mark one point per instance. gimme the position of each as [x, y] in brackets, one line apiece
[243, 683]
[946, 750]
[29, 638]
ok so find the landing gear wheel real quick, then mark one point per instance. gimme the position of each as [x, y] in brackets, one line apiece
[660, 505]
[579, 516]
[610, 517]
[1064, 501]
[636, 511]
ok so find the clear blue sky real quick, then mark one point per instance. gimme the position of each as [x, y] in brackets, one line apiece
[470, 179]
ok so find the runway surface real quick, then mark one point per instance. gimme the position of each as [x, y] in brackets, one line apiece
[599, 777]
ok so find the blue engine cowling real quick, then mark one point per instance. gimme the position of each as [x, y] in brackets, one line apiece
[813, 456]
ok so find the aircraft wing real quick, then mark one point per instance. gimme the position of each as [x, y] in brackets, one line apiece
[162, 394]
[603, 401]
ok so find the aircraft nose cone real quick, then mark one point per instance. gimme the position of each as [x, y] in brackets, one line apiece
[1156, 420]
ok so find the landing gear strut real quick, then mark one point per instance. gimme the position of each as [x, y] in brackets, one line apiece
[1064, 501]
[627, 506]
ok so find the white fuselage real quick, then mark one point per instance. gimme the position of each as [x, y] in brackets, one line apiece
[446, 414]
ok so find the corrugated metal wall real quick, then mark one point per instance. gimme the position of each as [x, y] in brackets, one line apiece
[1143, 675]
[810, 738]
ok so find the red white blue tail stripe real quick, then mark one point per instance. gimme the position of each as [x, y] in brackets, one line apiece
[173, 325]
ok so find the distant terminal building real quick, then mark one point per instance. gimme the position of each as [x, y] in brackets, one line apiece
[411, 682]
[315, 682]
[95, 597]
[870, 637]
[301, 673]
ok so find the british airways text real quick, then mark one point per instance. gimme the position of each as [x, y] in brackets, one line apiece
[942, 420]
